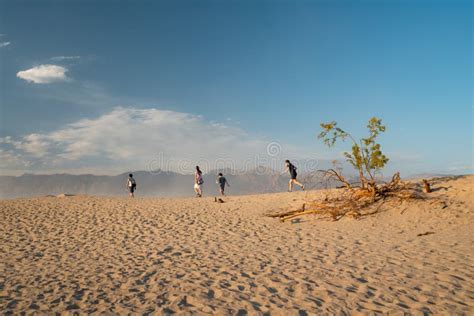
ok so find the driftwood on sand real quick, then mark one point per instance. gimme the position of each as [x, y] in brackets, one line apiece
[427, 187]
[356, 202]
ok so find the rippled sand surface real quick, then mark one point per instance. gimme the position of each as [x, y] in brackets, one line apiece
[163, 256]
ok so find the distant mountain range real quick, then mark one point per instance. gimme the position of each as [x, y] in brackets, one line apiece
[150, 184]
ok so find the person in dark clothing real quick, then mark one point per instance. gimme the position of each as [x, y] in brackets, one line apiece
[222, 181]
[131, 185]
[291, 169]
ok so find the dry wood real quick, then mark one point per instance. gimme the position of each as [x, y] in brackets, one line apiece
[356, 202]
[333, 174]
[426, 185]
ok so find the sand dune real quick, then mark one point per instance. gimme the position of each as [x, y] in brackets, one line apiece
[164, 256]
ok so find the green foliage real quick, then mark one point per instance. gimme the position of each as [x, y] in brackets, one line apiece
[366, 155]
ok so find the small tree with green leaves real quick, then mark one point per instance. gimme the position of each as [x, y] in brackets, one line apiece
[366, 155]
[367, 158]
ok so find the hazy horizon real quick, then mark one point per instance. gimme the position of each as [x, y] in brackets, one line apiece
[213, 172]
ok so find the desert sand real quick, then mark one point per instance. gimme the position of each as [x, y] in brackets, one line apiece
[162, 256]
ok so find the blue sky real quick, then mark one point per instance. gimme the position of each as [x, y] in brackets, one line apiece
[245, 73]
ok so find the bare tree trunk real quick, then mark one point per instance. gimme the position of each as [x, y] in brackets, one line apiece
[363, 181]
[427, 187]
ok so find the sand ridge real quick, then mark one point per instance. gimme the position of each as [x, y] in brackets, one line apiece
[149, 255]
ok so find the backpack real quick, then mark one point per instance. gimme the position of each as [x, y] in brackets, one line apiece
[292, 167]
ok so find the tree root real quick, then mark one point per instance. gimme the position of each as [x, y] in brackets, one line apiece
[357, 202]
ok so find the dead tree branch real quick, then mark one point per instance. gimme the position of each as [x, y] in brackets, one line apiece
[356, 202]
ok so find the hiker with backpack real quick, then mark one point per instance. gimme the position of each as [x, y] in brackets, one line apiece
[222, 181]
[131, 185]
[198, 182]
[291, 169]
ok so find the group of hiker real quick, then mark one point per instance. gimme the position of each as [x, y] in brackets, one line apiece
[221, 181]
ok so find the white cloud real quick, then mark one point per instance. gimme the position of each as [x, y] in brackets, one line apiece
[36, 145]
[461, 168]
[44, 74]
[60, 58]
[143, 139]
[4, 44]
[15, 162]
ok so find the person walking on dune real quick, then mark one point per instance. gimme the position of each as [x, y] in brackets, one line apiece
[198, 182]
[222, 181]
[131, 185]
[291, 169]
